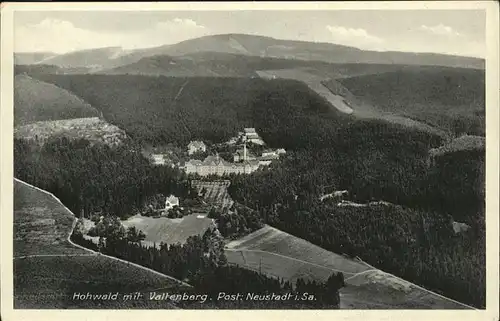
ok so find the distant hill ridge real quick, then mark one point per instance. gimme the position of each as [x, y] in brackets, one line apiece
[252, 45]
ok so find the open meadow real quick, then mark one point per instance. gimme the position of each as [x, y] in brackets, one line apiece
[281, 255]
[169, 230]
[41, 224]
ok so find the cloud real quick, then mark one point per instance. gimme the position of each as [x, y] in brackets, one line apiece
[62, 36]
[356, 37]
[440, 30]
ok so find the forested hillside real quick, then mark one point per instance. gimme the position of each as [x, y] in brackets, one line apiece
[448, 98]
[177, 110]
[35, 100]
[94, 177]
[418, 244]
[370, 158]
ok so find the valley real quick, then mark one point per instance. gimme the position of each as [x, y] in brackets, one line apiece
[404, 128]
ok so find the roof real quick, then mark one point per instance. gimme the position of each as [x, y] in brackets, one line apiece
[249, 130]
[460, 227]
[269, 157]
[172, 199]
[157, 156]
[197, 144]
[194, 162]
[251, 162]
[214, 160]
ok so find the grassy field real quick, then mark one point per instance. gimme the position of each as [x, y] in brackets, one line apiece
[48, 269]
[36, 100]
[285, 256]
[50, 282]
[281, 254]
[41, 224]
[379, 290]
[169, 230]
[93, 129]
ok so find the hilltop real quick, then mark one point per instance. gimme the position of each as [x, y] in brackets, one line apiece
[28, 58]
[260, 46]
[218, 64]
[35, 100]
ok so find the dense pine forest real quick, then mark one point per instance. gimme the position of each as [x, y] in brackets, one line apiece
[92, 178]
[447, 98]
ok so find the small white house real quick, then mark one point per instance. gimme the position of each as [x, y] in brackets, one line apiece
[158, 159]
[171, 202]
[196, 146]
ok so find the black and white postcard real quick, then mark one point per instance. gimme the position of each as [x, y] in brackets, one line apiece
[250, 160]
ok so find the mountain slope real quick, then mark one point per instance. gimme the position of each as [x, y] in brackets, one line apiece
[178, 110]
[95, 59]
[35, 100]
[251, 45]
[452, 99]
[269, 47]
[28, 58]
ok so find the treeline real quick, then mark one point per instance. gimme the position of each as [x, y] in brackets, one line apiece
[201, 262]
[96, 178]
[237, 221]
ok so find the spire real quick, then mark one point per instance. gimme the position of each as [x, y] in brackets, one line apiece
[244, 150]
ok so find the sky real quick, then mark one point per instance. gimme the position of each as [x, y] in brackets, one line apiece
[457, 32]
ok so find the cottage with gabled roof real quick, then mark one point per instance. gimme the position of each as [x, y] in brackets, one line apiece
[171, 202]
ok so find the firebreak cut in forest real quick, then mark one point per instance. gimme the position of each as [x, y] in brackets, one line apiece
[375, 160]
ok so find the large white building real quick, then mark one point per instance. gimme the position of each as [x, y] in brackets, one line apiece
[251, 136]
[214, 165]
